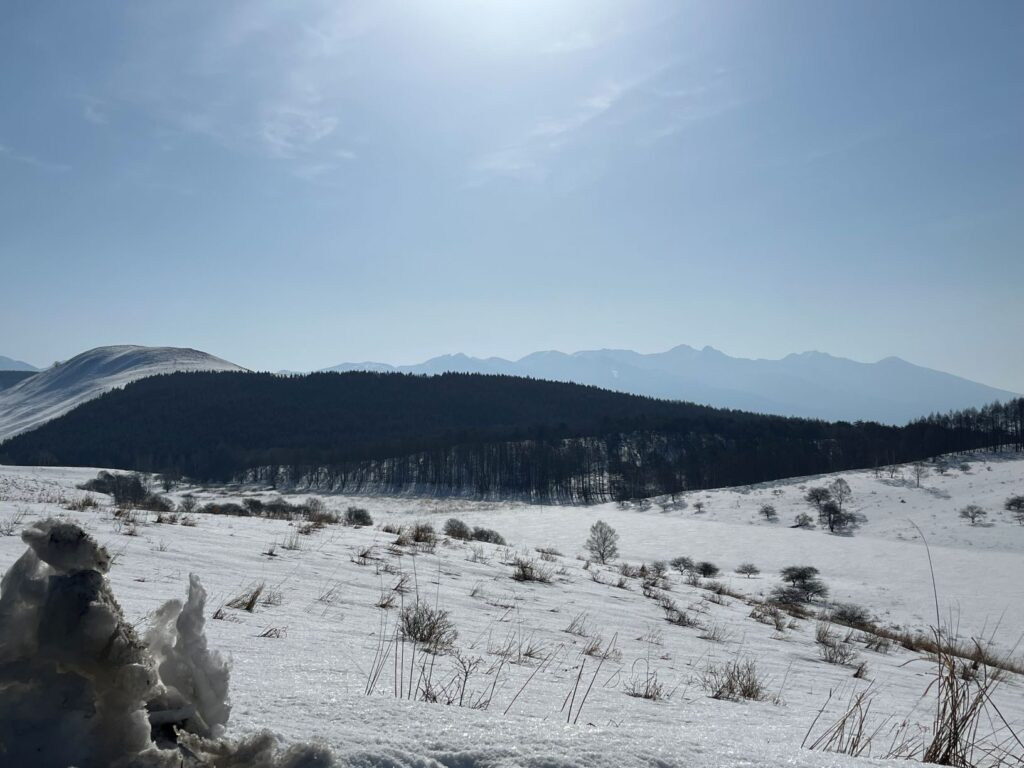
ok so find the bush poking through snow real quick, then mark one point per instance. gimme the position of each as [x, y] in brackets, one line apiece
[530, 570]
[643, 683]
[423, 533]
[488, 536]
[734, 680]
[456, 529]
[432, 627]
[850, 615]
[831, 648]
[766, 613]
[358, 517]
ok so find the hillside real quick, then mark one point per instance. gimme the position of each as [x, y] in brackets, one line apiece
[57, 390]
[10, 378]
[304, 657]
[463, 434]
[812, 384]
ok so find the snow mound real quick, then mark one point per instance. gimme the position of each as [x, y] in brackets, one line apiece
[79, 687]
[57, 390]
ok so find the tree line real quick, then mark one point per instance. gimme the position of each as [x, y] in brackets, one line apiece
[471, 434]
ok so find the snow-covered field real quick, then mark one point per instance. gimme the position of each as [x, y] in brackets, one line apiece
[309, 680]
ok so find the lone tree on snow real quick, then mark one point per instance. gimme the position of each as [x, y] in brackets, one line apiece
[768, 513]
[748, 569]
[805, 582]
[973, 513]
[603, 542]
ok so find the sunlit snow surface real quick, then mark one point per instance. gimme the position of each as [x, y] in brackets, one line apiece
[309, 684]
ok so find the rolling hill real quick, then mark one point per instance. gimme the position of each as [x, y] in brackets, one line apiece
[57, 390]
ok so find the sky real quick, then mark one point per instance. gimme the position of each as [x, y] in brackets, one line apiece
[291, 185]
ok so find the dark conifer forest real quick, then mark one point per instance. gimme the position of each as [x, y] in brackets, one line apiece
[471, 434]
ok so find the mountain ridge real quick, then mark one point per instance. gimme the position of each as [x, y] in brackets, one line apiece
[10, 364]
[811, 384]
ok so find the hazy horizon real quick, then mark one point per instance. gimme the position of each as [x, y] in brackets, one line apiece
[294, 186]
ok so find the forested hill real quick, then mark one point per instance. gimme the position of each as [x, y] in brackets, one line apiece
[455, 433]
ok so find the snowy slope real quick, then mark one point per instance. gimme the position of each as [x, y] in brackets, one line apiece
[55, 391]
[310, 681]
[812, 384]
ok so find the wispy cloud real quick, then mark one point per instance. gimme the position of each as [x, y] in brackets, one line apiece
[527, 159]
[93, 110]
[7, 153]
[289, 131]
[252, 78]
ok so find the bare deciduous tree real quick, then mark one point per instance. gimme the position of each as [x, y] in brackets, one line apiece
[603, 542]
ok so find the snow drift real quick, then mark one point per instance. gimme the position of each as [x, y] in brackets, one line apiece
[78, 686]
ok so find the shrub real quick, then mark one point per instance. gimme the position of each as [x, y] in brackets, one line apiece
[488, 536]
[766, 613]
[768, 512]
[602, 542]
[803, 520]
[457, 529]
[831, 648]
[82, 504]
[319, 515]
[706, 569]
[734, 680]
[530, 570]
[228, 508]
[644, 685]
[154, 503]
[797, 573]
[851, 614]
[423, 533]
[422, 623]
[357, 516]
[188, 504]
[747, 569]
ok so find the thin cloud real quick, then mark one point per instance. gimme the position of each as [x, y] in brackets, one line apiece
[93, 110]
[7, 153]
[526, 160]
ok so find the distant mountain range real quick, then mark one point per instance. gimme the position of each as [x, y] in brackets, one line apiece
[7, 364]
[811, 384]
[51, 393]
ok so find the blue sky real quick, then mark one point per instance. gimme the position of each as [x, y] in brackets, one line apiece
[296, 184]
